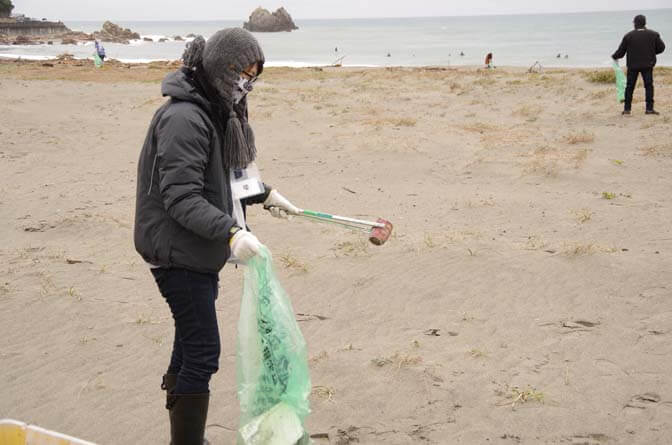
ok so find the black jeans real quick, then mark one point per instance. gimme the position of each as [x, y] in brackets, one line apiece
[196, 347]
[647, 76]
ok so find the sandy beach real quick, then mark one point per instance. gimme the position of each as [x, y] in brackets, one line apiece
[523, 299]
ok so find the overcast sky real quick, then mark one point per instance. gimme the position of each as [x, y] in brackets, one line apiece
[303, 9]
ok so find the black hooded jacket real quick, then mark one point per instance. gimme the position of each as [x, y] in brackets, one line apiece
[183, 200]
[641, 45]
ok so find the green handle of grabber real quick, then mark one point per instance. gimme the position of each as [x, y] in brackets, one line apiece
[317, 214]
[340, 219]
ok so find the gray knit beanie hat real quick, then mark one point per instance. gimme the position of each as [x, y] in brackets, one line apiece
[222, 58]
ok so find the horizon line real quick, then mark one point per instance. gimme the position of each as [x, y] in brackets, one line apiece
[504, 14]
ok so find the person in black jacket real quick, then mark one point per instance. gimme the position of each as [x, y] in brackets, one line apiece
[641, 45]
[190, 207]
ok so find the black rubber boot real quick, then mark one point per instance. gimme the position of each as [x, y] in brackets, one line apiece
[188, 413]
[168, 385]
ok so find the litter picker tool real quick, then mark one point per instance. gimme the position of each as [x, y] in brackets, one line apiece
[379, 231]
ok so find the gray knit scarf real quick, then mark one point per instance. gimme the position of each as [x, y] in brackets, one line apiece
[216, 67]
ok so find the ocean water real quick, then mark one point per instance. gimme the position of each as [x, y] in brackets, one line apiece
[582, 40]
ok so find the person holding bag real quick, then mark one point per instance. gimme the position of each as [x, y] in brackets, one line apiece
[196, 175]
[641, 46]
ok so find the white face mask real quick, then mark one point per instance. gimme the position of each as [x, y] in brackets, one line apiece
[240, 89]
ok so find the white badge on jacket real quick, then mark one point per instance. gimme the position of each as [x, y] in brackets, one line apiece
[244, 183]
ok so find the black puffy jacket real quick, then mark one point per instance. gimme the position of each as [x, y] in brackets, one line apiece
[641, 46]
[183, 200]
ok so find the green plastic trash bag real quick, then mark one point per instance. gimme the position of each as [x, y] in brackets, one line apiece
[97, 60]
[273, 378]
[278, 426]
[620, 82]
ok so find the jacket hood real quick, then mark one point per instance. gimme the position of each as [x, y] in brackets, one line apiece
[180, 85]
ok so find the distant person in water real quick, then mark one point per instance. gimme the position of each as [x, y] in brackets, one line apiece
[641, 46]
[488, 61]
[462, 54]
[100, 49]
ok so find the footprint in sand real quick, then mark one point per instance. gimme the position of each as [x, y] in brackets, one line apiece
[572, 326]
[589, 439]
[577, 324]
[42, 226]
[609, 368]
[347, 436]
[640, 402]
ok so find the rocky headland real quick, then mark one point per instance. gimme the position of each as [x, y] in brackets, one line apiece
[25, 35]
[29, 30]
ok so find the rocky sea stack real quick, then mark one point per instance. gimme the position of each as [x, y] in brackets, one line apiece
[115, 33]
[261, 20]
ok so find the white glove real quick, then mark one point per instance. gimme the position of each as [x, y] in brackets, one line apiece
[244, 246]
[279, 206]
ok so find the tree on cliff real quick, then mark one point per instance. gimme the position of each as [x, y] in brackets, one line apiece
[6, 7]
